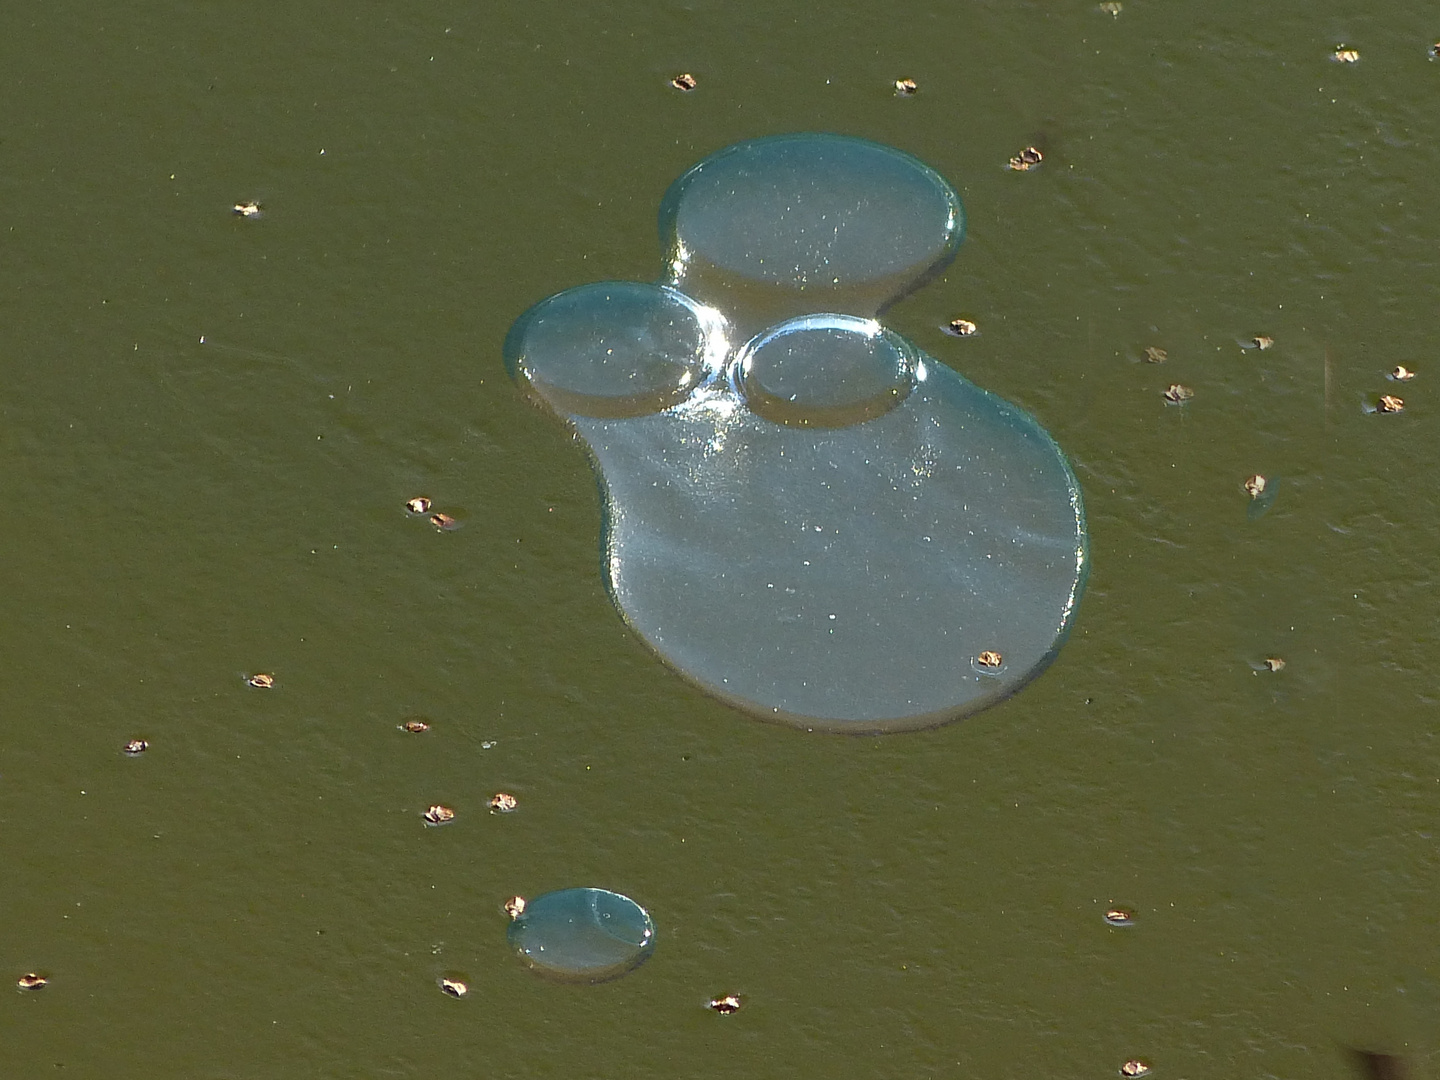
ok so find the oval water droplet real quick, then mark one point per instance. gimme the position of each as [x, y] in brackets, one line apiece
[582, 935]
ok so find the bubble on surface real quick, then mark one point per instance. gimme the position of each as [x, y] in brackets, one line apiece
[582, 935]
[614, 349]
[826, 370]
[793, 225]
[804, 513]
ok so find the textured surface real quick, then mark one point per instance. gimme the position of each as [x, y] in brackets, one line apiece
[256, 895]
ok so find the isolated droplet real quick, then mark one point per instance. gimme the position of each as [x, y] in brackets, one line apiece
[582, 935]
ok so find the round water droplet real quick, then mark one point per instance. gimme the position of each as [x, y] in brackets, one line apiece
[582, 935]
[835, 224]
[825, 371]
[613, 349]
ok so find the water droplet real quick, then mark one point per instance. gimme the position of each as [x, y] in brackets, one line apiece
[582, 935]
[753, 389]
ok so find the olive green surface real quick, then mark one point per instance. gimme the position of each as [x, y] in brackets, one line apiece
[257, 894]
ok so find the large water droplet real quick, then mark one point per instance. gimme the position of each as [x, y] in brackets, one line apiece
[805, 514]
[582, 935]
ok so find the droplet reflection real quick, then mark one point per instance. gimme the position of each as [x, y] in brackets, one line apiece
[582, 935]
[805, 514]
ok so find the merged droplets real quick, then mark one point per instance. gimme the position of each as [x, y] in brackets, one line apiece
[806, 515]
[581, 935]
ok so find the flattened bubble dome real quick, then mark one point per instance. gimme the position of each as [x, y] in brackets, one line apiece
[804, 513]
[582, 935]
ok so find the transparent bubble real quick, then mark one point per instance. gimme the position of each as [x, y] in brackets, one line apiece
[805, 514]
[582, 935]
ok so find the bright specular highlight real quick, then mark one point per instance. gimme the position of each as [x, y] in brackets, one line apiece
[805, 514]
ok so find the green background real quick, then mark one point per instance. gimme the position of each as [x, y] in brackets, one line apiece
[256, 896]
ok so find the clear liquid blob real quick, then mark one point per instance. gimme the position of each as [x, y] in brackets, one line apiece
[804, 514]
[582, 935]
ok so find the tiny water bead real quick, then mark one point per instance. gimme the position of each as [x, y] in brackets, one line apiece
[582, 935]
[805, 514]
